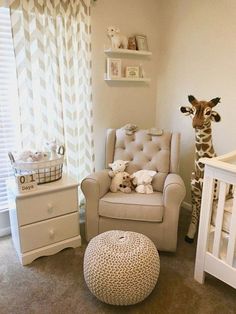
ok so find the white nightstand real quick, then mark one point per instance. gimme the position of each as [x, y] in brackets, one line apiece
[44, 221]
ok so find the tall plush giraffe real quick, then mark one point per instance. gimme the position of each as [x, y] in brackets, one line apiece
[202, 114]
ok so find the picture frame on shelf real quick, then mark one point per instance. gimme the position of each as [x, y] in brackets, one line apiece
[132, 72]
[113, 68]
[141, 41]
[132, 43]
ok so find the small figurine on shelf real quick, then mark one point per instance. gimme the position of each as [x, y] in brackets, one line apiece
[132, 43]
[117, 40]
[141, 71]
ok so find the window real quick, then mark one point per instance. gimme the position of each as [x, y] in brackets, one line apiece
[8, 100]
[53, 86]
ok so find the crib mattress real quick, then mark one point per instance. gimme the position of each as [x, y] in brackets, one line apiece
[227, 214]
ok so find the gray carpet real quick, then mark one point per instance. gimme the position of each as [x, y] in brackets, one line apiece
[55, 284]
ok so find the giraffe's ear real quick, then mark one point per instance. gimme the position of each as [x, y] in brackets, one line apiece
[192, 100]
[215, 116]
[186, 110]
[214, 102]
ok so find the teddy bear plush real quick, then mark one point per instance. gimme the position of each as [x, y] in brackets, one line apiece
[117, 173]
[126, 186]
[142, 179]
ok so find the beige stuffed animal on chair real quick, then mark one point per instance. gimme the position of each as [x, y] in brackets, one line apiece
[118, 175]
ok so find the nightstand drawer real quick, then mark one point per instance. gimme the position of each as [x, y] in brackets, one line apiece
[44, 206]
[48, 232]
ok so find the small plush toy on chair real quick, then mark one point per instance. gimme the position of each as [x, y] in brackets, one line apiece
[142, 179]
[119, 176]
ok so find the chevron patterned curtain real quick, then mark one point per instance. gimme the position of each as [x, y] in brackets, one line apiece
[52, 43]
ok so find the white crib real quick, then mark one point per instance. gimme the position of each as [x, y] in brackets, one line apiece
[216, 252]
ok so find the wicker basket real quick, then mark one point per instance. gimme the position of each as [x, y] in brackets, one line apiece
[46, 171]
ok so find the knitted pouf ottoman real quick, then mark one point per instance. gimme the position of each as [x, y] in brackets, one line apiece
[121, 267]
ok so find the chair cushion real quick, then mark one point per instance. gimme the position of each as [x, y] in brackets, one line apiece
[132, 206]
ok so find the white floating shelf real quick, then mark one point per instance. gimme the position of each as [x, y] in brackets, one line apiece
[128, 52]
[127, 79]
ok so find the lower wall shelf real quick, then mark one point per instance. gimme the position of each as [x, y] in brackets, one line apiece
[126, 79]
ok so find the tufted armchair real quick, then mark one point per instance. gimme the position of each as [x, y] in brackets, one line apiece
[155, 215]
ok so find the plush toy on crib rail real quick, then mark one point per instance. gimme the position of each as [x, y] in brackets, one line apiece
[118, 176]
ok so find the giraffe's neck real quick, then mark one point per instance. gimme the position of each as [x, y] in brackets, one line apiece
[203, 147]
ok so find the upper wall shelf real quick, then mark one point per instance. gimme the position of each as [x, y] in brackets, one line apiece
[128, 52]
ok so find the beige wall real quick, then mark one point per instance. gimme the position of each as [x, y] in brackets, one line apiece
[116, 104]
[194, 49]
[197, 55]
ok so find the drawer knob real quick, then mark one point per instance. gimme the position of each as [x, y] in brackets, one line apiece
[50, 208]
[51, 234]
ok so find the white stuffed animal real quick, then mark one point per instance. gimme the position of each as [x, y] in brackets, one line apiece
[117, 40]
[39, 156]
[32, 156]
[24, 156]
[118, 175]
[52, 147]
[143, 179]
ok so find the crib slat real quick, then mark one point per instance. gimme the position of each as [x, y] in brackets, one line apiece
[232, 235]
[204, 226]
[219, 219]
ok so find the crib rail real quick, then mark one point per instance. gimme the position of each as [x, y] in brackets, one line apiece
[225, 162]
[216, 252]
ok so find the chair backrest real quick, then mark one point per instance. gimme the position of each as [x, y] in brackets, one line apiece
[145, 151]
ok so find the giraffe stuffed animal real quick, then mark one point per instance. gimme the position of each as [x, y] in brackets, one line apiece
[202, 114]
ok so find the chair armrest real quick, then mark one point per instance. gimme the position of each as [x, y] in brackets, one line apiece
[174, 190]
[96, 185]
[173, 195]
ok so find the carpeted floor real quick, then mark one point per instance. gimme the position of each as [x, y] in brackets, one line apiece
[55, 284]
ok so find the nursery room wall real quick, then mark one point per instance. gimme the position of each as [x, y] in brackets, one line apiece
[197, 51]
[118, 103]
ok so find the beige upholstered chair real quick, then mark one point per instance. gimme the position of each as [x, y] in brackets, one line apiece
[155, 215]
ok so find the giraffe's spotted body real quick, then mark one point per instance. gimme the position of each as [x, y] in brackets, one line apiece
[202, 114]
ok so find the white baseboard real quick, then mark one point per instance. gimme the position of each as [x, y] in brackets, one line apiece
[5, 231]
[187, 206]
[4, 223]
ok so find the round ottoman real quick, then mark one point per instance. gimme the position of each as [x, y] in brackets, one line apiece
[121, 267]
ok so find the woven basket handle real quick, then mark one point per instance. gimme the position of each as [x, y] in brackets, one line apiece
[61, 150]
[12, 159]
